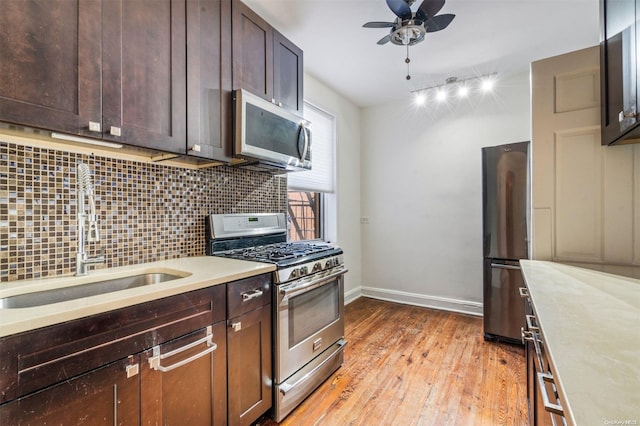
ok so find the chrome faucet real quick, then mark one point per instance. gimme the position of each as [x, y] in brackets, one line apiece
[87, 221]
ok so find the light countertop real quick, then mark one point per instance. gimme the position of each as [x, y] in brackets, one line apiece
[590, 322]
[196, 272]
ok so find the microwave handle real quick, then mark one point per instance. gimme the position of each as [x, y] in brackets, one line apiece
[303, 129]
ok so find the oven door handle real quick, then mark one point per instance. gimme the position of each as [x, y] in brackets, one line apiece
[286, 292]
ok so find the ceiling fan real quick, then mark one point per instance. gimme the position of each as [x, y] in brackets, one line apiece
[410, 27]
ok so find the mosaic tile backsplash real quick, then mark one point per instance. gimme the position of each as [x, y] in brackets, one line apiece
[147, 212]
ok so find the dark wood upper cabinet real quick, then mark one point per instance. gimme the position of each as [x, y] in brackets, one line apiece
[209, 79]
[144, 73]
[265, 63]
[619, 52]
[50, 71]
[113, 70]
[287, 73]
[252, 43]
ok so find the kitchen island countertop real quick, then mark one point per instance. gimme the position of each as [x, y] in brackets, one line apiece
[590, 322]
[195, 273]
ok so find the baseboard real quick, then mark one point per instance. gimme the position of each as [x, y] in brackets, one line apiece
[352, 295]
[436, 302]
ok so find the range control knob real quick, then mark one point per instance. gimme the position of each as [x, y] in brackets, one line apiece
[328, 264]
[304, 271]
[294, 273]
[317, 267]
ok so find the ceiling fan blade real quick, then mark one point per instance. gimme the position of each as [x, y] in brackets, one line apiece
[385, 39]
[378, 24]
[438, 23]
[400, 8]
[429, 9]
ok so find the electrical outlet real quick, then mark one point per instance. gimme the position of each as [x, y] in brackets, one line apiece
[364, 220]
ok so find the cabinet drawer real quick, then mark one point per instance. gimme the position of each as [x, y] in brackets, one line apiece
[36, 359]
[248, 294]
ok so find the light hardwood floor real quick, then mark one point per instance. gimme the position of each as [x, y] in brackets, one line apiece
[406, 365]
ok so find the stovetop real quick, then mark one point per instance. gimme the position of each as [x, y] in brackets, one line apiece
[262, 237]
[284, 254]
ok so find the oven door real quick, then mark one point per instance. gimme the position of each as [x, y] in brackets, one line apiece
[309, 319]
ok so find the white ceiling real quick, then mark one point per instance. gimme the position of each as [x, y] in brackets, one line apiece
[486, 36]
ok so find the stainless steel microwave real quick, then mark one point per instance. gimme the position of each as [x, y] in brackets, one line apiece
[270, 134]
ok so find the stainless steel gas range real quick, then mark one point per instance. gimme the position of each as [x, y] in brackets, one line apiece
[308, 300]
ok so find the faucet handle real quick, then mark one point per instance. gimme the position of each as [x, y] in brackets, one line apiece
[92, 233]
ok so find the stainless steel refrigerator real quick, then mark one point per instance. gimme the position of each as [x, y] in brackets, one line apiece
[505, 195]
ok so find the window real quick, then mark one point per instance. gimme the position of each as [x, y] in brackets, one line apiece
[311, 192]
[305, 216]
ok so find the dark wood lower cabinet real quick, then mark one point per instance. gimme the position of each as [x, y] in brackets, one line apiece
[249, 370]
[249, 366]
[186, 381]
[104, 396]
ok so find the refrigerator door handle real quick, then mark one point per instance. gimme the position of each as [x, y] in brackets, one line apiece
[504, 266]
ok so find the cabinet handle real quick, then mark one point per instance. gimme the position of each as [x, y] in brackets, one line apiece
[526, 335]
[115, 131]
[237, 326]
[132, 370]
[195, 148]
[94, 126]
[530, 319]
[280, 104]
[154, 361]
[249, 295]
[524, 292]
[552, 408]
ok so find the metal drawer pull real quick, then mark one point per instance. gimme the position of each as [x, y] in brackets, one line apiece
[530, 320]
[249, 295]
[524, 292]
[526, 335]
[552, 408]
[154, 361]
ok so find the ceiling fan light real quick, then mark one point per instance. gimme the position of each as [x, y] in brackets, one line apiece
[420, 99]
[441, 95]
[463, 91]
[487, 85]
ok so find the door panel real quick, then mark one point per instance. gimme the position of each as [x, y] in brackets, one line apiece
[252, 52]
[144, 84]
[191, 394]
[288, 73]
[50, 64]
[104, 396]
[503, 307]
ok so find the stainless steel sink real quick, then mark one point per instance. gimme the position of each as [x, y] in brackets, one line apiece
[46, 297]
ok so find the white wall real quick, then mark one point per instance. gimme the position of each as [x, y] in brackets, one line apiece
[422, 194]
[347, 199]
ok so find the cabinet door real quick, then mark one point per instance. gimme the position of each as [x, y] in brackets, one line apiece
[249, 368]
[287, 73]
[50, 64]
[209, 79]
[185, 384]
[619, 69]
[144, 73]
[252, 43]
[105, 396]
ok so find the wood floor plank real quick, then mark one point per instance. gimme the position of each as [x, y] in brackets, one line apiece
[406, 365]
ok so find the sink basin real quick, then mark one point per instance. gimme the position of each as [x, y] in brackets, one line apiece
[46, 297]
